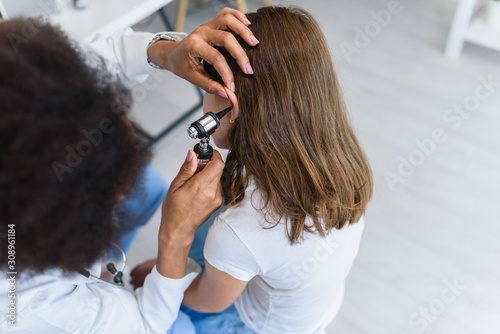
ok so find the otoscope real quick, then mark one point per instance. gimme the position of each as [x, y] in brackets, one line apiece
[202, 129]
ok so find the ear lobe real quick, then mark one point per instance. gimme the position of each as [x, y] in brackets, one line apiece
[234, 102]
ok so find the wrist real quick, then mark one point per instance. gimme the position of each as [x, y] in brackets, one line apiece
[158, 50]
[173, 255]
[177, 239]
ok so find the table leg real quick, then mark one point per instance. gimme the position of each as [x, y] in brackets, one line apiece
[242, 5]
[181, 15]
[459, 27]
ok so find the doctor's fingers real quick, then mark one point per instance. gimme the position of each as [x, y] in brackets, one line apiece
[212, 172]
[229, 42]
[207, 52]
[207, 183]
[199, 78]
[186, 172]
[229, 18]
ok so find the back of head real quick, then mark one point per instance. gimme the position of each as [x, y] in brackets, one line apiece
[292, 134]
[67, 152]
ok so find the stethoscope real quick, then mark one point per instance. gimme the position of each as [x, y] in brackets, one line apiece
[117, 274]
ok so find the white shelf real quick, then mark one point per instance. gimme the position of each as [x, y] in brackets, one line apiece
[104, 16]
[481, 33]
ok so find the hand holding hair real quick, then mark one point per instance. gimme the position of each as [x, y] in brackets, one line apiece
[183, 58]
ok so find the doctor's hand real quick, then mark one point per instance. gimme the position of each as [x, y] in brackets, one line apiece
[190, 201]
[183, 58]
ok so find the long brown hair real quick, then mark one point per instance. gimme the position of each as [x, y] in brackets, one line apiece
[292, 134]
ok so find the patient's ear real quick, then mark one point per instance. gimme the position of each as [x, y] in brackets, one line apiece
[234, 101]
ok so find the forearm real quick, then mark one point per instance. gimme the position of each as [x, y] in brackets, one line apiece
[124, 54]
[190, 295]
[180, 220]
[201, 300]
[173, 253]
[214, 291]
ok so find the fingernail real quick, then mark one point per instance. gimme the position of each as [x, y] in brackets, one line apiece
[247, 21]
[254, 39]
[223, 94]
[233, 87]
[189, 156]
[249, 69]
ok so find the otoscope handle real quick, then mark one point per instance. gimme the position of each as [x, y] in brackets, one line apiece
[204, 155]
[201, 165]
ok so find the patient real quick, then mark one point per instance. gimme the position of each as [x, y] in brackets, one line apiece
[296, 185]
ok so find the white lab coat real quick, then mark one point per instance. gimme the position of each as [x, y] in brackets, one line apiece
[52, 303]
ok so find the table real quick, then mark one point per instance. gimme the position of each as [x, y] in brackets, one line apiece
[104, 16]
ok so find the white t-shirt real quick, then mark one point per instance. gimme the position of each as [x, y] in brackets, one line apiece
[291, 289]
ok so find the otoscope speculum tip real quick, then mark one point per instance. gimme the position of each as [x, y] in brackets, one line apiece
[192, 132]
[206, 124]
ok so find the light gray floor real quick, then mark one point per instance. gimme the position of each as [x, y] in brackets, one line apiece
[429, 261]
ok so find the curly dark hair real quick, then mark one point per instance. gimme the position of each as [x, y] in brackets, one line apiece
[67, 150]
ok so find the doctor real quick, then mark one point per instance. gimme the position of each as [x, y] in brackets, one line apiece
[68, 156]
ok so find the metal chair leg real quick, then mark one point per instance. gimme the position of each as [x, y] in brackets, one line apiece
[166, 19]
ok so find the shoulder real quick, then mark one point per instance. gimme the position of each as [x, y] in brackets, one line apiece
[228, 249]
[250, 213]
[350, 233]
